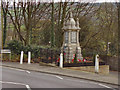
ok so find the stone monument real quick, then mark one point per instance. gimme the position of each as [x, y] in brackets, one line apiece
[71, 44]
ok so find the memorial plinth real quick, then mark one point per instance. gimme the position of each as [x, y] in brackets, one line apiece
[71, 44]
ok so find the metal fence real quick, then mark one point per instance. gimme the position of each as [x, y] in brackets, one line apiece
[49, 55]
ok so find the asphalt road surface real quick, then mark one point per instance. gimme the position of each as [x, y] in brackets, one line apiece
[17, 78]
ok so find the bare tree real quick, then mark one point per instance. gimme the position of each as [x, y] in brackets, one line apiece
[25, 14]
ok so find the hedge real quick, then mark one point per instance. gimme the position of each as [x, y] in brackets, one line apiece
[37, 51]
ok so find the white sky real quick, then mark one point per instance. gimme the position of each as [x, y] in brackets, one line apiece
[97, 1]
[82, 1]
[108, 0]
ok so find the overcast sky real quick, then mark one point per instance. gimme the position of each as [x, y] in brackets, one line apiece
[108, 0]
[82, 1]
[97, 1]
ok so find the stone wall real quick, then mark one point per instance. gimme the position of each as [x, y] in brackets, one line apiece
[111, 61]
[103, 69]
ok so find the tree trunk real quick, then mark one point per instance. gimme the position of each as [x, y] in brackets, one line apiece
[52, 29]
[2, 23]
[5, 26]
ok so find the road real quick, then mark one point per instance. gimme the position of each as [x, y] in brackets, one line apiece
[17, 78]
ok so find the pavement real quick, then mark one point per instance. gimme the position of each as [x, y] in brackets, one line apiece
[112, 78]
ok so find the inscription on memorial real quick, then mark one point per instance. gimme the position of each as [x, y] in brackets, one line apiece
[66, 37]
[73, 37]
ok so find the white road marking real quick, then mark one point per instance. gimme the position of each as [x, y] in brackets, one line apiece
[28, 71]
[18, 69]
[12, 83]
[81, 81]
[93, 83]
[104, 85]
[27, 86]
[15, 69]
[59, 77]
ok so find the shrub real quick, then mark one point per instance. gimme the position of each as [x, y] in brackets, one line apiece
[94, 58]
[15, 58]
[15, 46]
[36, 51]
[26, 49]
[75, 58]
[5, 57]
